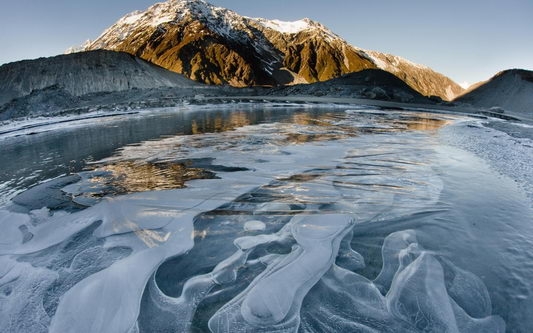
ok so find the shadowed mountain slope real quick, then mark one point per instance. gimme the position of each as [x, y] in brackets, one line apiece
[83, 73]
[46, 86]
[370, 84]
[510, 90]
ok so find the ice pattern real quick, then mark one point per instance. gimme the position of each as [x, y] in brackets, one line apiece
[272, 247]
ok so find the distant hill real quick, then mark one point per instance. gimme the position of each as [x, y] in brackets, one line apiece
[421, 78]
[49, 85]
[215, 45]
[510, 90]
[369, 83]
[83, 73]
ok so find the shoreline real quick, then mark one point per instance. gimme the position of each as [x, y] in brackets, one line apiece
[17, 127]
[439, 108]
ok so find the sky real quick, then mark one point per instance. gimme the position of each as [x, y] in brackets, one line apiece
[466, 40]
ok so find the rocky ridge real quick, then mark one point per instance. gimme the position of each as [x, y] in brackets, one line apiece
[421, 78]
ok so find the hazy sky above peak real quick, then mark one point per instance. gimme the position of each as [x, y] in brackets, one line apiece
[468, 41]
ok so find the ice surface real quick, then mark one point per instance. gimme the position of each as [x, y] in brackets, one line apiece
[419, 296]
[392, 247]
[467, 290]
[273, 300]
[348, 258]
[109, 300]
[21, 290]
[164, 313]
[254, 226]
[511, 156]
[272, 247]
[163, 222]
[10, 224]
[419, 299]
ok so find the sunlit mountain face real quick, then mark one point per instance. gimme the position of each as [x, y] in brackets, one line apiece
[215, 45]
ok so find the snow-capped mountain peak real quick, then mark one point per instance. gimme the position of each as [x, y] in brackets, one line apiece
[218, 46]
[221, 20]
[171, 11]
[295, 27]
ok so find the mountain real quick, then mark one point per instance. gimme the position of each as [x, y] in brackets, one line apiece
[510, 90]
[368, 84]
[218, 46]
[49, 85]
[421, 78]
[83, 73]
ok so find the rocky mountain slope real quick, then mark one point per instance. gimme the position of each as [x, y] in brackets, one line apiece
[218, 46]
[510, 90]
[367, 84]
[83, 73]
[48, 86]
[421, 78]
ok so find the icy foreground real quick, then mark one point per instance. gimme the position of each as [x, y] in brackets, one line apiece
[265, 248]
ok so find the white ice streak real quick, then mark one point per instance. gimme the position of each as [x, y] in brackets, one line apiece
[272, 301]
[176, 314]
[254, 225]
[420, 296]
[427, 293]
[171, 214]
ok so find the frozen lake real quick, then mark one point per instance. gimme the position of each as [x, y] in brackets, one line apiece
[267, 218]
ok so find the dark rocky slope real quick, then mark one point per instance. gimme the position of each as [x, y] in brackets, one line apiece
[368, 84]
[83, 73]
[510, 91]
[86, 79]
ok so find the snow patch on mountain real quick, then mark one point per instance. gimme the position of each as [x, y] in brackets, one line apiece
[391, 62]
[156, 15]
[380, 63]
[285, 27]
[465, 85]
[131, 18]
[221, 20]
